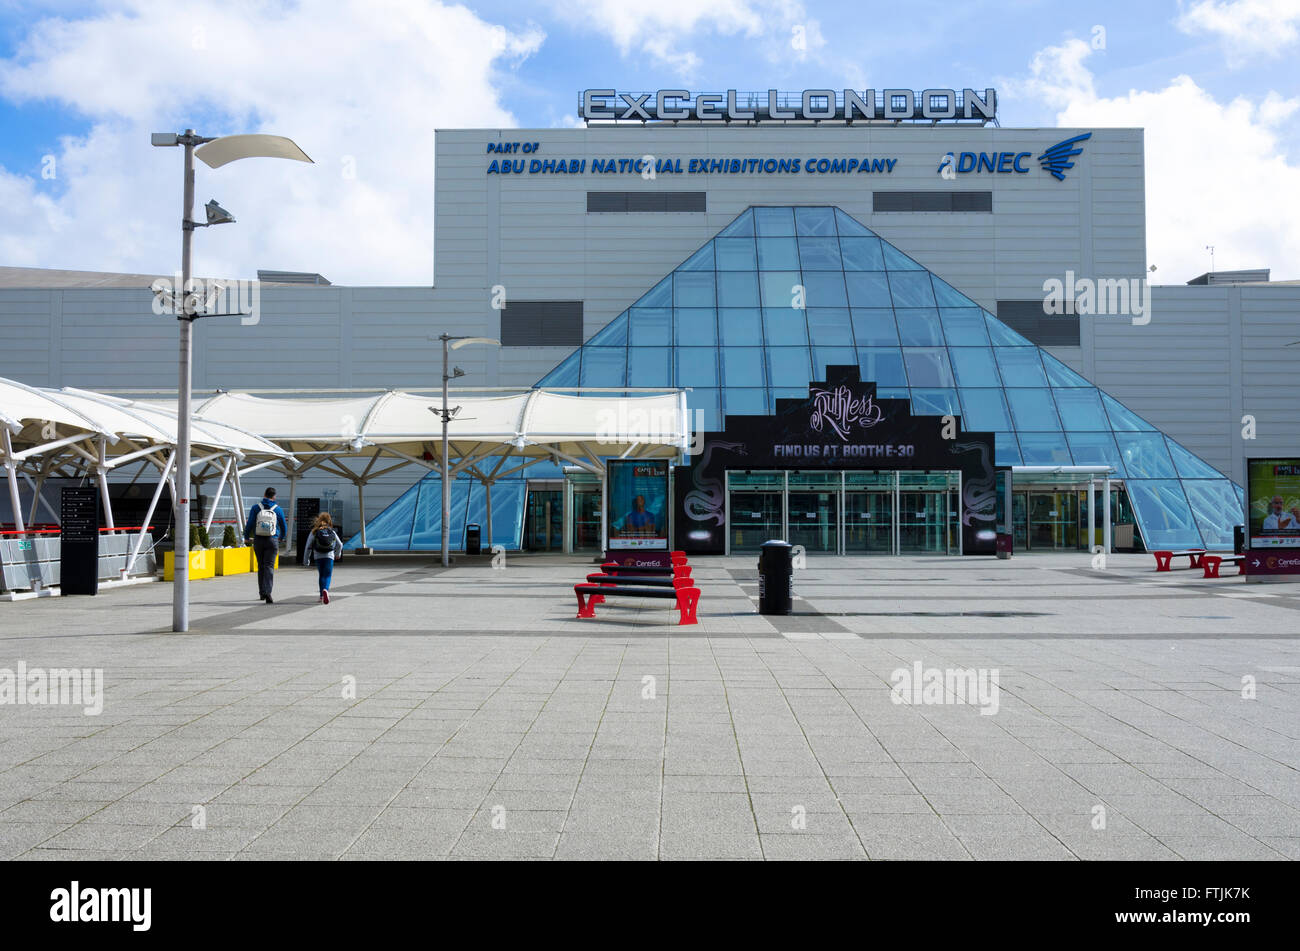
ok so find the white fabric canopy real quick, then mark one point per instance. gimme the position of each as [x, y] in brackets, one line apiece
[527, 424]
[534, 423]
[95, 432]
[27, 411]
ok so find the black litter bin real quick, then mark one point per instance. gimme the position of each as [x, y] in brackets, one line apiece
[775, 578]
[473, 539]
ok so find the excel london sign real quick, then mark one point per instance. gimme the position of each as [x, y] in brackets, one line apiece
[810, 105]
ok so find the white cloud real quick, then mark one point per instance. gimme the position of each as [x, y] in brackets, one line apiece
[1216, 172]
[781, 30]
[359, 85]
[1247, 28]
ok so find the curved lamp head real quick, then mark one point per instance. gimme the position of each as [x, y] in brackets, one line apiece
[465, 341]
[230, 148]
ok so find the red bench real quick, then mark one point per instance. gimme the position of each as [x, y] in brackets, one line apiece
[1163, 558]
[678, 570]
[652, 581]
[1211, 563]
[608, 579]
[682, 592]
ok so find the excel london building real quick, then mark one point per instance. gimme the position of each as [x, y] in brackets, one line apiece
[896, 323]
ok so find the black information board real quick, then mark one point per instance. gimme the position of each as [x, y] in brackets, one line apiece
[305, 512]
[79, 540]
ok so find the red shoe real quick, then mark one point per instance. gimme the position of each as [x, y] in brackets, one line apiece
[325, 597]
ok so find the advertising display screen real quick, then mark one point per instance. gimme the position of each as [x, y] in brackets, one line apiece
[638, 505]
[1273, 490]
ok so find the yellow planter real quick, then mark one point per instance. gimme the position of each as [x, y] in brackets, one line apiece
[203, 564]
[234, 561]
[210, 562]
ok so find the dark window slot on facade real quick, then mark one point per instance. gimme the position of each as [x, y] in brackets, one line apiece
[598, 202]
[932, 200]
[542, 323]
[1027, 318]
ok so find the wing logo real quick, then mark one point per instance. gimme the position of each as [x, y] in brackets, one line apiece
[1057, 158]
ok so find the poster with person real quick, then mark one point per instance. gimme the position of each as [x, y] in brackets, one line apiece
[1273, 488]
[638, 505]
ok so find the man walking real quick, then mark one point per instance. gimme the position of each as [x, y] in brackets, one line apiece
[266, 526]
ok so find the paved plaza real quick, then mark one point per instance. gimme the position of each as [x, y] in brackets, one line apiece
[465, 713]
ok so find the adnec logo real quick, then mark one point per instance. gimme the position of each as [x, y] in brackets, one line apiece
[1054, 160]
[1057, 159]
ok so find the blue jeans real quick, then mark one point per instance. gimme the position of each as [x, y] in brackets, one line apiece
[325, 569]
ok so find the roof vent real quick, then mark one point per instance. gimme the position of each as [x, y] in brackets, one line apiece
[290, 277]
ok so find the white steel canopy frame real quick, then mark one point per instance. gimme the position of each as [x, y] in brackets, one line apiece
[74, 433]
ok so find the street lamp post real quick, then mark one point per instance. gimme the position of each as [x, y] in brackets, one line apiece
[450, 343]
[215, 152]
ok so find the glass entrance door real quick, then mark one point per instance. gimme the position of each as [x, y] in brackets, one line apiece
[869, 513]
[812, 511]
[1053, 521]
[544, 522]
[1019, 521]
[755, 514]
[586, 518]
[925, 522]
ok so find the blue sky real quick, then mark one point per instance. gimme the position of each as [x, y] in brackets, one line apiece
[84, 89]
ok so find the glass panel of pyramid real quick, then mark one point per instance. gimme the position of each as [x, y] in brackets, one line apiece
[760, 310]
[414, 520]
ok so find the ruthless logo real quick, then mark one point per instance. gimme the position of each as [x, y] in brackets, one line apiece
[841, 411]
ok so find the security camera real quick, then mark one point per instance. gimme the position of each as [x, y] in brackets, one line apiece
[218, 215]
[166, 299]
[457, 372]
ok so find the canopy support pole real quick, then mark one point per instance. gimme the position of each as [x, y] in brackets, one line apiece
[1009, 520]
[236, 505]
[361, 511]
[488, 481]
[291, 520]
[240, 515]
[1092, 513]
[37, 487]
[102, 477]
[604, 505]
[1105, 524]
[41, 499]
[216, 496]
[566, 518]
[11, 470]
[148, 516]
[172, 482]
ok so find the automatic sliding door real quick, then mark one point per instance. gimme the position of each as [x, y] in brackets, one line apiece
[869, 513]
[814, 511]
[924, 512]
[586, 518]
[755, 509]
[1053, 520]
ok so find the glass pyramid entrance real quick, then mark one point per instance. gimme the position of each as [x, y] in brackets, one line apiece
[781, 293]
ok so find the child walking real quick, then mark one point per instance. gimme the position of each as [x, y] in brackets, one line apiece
[325, 547]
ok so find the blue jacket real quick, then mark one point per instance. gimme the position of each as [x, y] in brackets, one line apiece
[250, 527]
